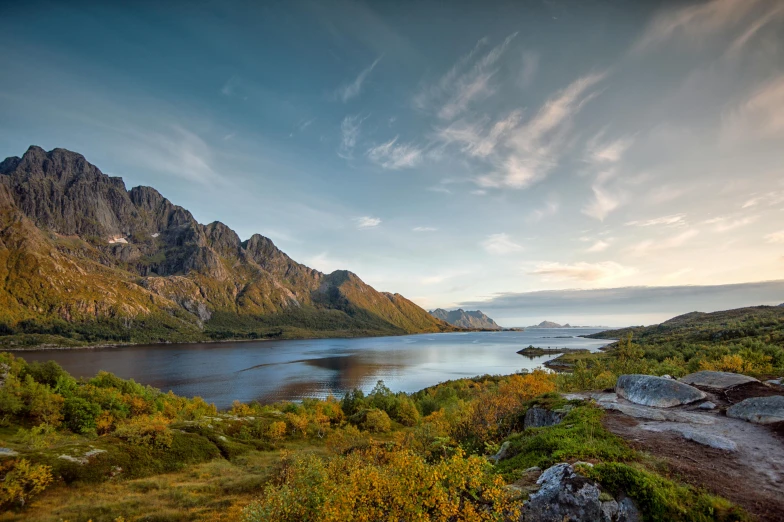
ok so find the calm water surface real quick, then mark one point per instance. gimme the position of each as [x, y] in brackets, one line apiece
[276, 370]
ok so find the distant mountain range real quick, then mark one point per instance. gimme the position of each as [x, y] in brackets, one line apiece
[85, 261]
[465, 319]
[550, 324]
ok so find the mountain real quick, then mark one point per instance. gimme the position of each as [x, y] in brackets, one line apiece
[465, 319]
[765, 322]
[83, 260]
[550, 324]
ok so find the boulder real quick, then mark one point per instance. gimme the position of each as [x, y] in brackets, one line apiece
[503, 453]
[776, 382]
[693, 433]
[656, 391]
[537, 417]
[564, 494]
[718, 381]
[760, 410]
[707, 405]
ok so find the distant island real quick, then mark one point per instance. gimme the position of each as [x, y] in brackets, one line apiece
[466, 319]
[551, 324]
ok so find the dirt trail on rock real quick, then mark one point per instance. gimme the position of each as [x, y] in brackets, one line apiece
[752, 476]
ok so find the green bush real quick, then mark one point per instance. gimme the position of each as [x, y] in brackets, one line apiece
[80, 414]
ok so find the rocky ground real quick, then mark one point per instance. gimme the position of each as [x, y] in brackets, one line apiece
[741, 458]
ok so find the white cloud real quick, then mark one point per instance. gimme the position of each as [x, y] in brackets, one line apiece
[469, 80]
[392, 155]
[424, 229]
[324, 263]
[582, 271]
[479, 192]
[529, 69]
[350, 129]
[475, 138]
[760, 116]
[696, 23]
[775, 237]
[177, 151]
[439, 188]
[609, 152]
[649, 246]
[367, 222]
[599, 246]
[500, 244]
[550, 208]
[675, 220]
[603, 203]
[726, 223]
[350, 90]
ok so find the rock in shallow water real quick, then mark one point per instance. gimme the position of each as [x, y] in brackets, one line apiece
[656, 391]
[760, 410]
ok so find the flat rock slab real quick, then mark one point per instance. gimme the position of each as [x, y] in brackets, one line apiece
[760, 410]
[657, 414]
[694, 433]
[658, 392]
[719, 381]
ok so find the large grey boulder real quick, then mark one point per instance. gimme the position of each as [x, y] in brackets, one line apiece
[656, 391]
[718, 381]
[698, 434]
[760, 410]
[564, 494]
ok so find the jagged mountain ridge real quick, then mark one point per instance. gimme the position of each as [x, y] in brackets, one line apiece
[76, 246]
[465, 319]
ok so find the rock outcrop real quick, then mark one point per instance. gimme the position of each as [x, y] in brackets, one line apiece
[537, 417]
[564, 494]
[760, 410]
[716, 381]
[656, 391]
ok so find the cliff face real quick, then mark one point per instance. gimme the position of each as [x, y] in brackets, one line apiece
[465, 319]
[76, 246]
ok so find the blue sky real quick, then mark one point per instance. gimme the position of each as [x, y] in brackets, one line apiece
[456, 153]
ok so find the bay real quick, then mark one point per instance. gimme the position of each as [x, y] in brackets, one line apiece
[269, 371]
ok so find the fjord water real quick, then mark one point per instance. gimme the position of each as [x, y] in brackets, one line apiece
[269, 371]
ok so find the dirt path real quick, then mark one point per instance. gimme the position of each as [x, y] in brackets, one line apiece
[752, 476]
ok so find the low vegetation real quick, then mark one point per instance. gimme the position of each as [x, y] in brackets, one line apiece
[110, 449]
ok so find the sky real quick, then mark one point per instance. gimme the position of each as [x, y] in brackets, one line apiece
[519, 157]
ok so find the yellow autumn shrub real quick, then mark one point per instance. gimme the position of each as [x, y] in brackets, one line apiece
[21, 481]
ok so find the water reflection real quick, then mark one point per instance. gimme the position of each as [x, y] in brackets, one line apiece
[290, 370]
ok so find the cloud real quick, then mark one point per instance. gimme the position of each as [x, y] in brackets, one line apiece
[598, 246]
[367, 222]
[609, 152]
[479, 192]
[696, 23]
[675, 220]
[550, 208]
[761, 115]
[603, 203]
[393, 155]
[351, 90]
[775, 237]
[725, 223]
[500, 244]
[469, 80]
[324, 263]
[424, 229]
[439, 188]
[582, 271]
[529, 69]
[349, 134]
[649, 246]
[176, 151]
[230, 86]
[671, 300]
[478, 138]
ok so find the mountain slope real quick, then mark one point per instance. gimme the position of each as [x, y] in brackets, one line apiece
[82, 260]
[465, 319]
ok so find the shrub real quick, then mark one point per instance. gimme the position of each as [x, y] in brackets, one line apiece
[277, 430]
[80, 414]
[152, 430]
[22, 481]
[376, 421]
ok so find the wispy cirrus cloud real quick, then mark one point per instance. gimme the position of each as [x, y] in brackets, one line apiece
[352, 89]
[775, 237]
[468, 81]
[599, 246]
[649, 246]
[500, 244]
[367, 222]
[727, 223]
[582, 271]
[549, 208]
[675, 220]
[424, 229]
[350, 129]
[603, 203]
[393, 155]
[759, 116]
[696, 23]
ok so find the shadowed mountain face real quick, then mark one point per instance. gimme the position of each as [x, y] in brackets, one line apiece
[465, 319]
[82, 259]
